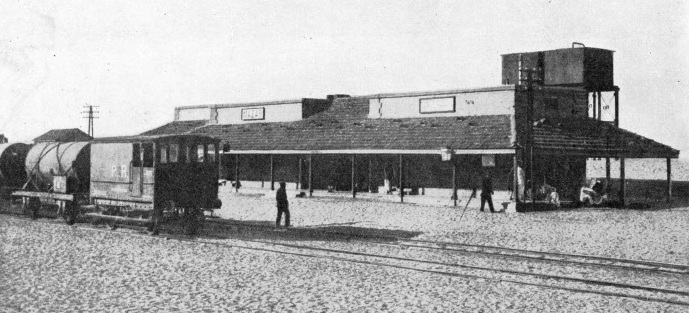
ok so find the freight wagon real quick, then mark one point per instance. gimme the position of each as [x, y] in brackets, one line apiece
[145, 180]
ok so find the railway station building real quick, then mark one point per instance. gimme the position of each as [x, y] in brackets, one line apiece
[544, 120]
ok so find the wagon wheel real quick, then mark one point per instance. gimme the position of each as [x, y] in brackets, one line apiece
[31, 206]
[70, 213]
[157, 216]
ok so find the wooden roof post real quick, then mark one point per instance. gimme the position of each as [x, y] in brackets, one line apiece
[593, 105]
[515, 181]
[401, 179]
[310, 173]
[236, 172]
[607, 172]
[669, 180]
[623, 183]
[299, 184]
[370, 161]
[272, 174]
[353, 176]
[454, 181]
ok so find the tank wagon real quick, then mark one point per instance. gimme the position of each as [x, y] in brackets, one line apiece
[148, 180]
[12, 174]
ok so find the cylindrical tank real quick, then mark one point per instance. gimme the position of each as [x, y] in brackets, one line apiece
[48, 159]
[12, 157]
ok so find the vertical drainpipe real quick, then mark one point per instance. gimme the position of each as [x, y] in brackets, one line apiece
[600, 106]
[617, 107]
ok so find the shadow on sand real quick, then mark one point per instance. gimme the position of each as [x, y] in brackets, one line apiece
[330, 232]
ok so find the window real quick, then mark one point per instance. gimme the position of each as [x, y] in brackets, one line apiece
[211, 153]
[136, 155]
[437, 105]
[148, 154]
[200, 153]
[174, 153]
[163, 154]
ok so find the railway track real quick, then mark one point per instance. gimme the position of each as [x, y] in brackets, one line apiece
[600, 287]
[504, 252]
[589, 260]
[557, 282]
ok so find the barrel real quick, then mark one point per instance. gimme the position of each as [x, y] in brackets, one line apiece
[48, 159]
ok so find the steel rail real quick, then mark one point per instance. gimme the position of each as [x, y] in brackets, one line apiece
[541, 276]
[540, 256]
[683, 269]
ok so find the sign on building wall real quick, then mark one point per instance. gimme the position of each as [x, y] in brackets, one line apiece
[437, 105]
[488, 160]
[253, 114]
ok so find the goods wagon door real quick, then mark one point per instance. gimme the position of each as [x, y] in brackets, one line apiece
[122, 171]
[142, 169]
[111, 167]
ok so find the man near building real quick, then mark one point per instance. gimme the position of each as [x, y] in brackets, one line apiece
[282, 204]
[487, 192]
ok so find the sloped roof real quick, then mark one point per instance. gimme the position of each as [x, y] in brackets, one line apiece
[63, 135]
[593, 138]
[345, 126]
[175, 128]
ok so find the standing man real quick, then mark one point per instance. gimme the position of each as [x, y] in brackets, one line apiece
[283, 205]
[487, 192]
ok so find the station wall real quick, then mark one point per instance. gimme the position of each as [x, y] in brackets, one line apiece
[443, 104]
[287, 112]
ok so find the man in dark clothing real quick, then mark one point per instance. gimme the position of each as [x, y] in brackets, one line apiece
[283, 205]
[487, 193]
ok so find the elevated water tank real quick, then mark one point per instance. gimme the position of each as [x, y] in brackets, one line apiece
[589, 68]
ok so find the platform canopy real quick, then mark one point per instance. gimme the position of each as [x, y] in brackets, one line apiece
[594, 138]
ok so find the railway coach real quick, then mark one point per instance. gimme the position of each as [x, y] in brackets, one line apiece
[145, 180]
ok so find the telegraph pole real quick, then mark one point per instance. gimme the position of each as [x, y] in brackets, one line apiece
[90, 117]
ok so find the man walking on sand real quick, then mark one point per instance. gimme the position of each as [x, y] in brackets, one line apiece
[487, 192]
[283, 205]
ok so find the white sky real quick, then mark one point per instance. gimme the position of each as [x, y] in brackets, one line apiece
[137, 59]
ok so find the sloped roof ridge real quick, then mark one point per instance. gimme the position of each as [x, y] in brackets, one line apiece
[62, 134]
